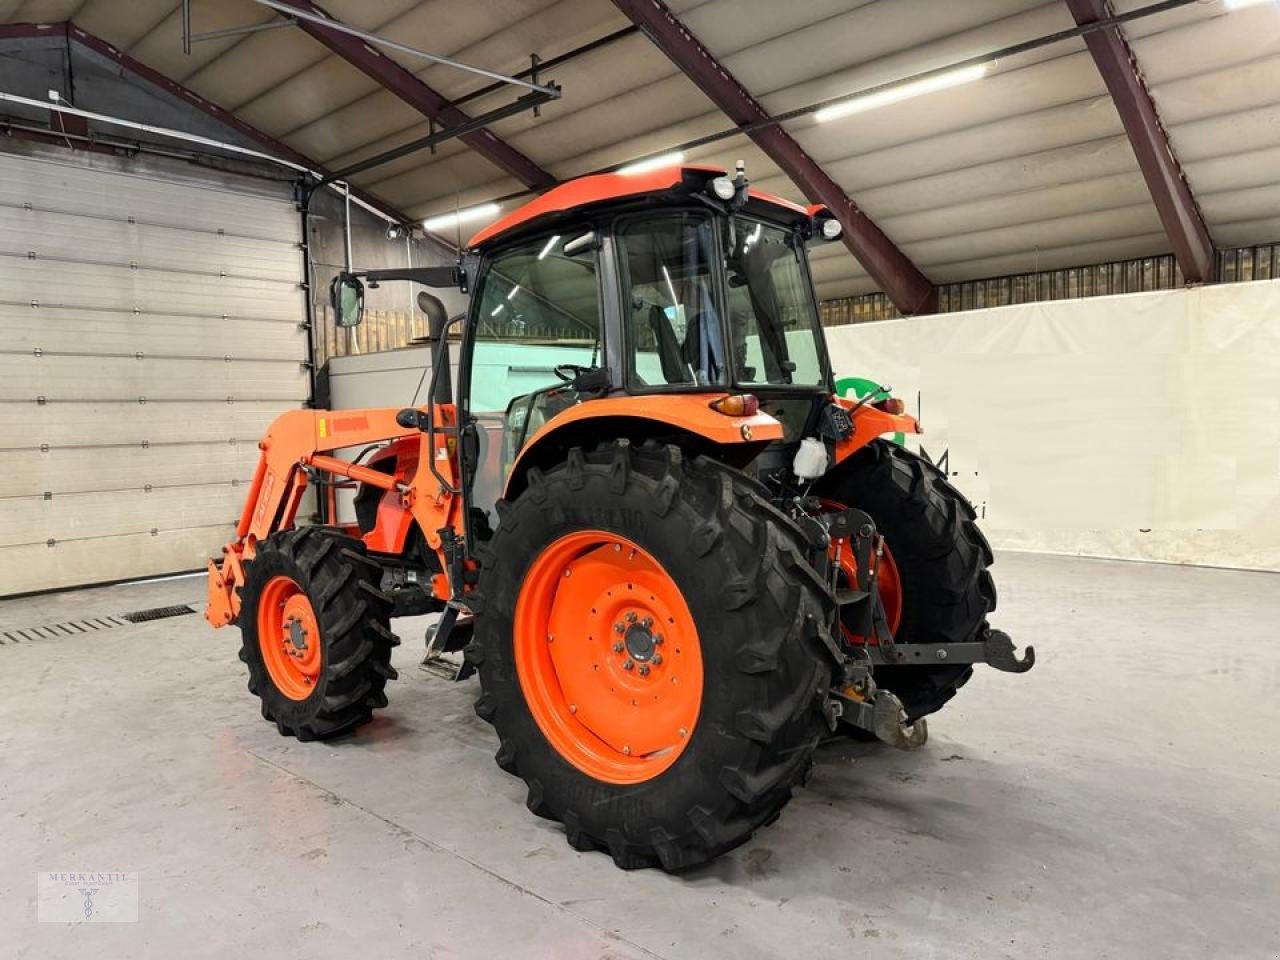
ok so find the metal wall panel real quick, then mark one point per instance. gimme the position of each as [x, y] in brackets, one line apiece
[122, 378]
[113, 191]
[151, 326]
[119, 467]
[53, 329]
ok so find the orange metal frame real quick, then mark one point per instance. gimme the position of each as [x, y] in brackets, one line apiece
[583, 191]
[300, 443]
[870, 423]
[693, 413]
[688, 411]
[603, 187]
[297, 444]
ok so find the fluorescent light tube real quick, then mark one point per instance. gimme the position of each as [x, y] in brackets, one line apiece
[444, 221]
[903, 91]
[653, 163]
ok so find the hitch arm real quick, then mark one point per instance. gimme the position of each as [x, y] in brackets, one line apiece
[995, 649]
[884, 716]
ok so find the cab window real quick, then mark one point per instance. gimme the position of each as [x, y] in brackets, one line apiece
[675, 334]
[536, 321]
[773, 321]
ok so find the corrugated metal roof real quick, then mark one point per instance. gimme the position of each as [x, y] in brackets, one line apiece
[1026, 169]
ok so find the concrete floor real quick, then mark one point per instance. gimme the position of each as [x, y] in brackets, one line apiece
[1121, 800]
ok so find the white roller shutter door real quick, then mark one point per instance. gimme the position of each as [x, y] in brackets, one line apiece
[150, 329]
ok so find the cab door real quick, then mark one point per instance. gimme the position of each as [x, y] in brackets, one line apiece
[534, 325]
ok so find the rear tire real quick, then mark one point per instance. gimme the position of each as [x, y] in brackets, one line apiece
[757, 606]
[941, 555]
[327, 575]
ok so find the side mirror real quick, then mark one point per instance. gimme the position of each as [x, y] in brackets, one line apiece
[346, 296]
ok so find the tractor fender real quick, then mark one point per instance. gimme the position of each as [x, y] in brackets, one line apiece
[870, 422]
[684, 419]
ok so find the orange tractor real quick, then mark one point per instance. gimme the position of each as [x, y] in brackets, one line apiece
[675, 558]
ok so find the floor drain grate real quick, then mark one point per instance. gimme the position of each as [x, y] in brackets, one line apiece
[74, 628]
[158, 613]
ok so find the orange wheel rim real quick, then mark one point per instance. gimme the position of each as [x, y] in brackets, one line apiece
[289, 638]
[888, 579]
[608, 657]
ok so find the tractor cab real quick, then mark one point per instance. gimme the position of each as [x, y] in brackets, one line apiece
[673, 282]
[657, 287]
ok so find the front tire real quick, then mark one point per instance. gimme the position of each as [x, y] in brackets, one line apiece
[692, 547]
[315, 632]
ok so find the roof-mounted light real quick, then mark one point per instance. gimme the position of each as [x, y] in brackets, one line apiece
[831, 228]
[723, 188]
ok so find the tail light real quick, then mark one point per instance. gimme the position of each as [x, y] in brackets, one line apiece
[737, 405]
[893, 405]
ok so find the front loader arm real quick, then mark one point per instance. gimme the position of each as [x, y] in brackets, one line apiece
[298, 444]
[293, 440]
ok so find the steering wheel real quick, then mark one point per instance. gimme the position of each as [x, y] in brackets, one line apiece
[569, 372]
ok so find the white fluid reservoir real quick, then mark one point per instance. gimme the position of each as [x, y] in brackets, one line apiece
[811, 459]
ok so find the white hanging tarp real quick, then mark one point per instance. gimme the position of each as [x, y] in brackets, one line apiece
[1144, 426]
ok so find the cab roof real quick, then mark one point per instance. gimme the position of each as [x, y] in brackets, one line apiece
[606, 187]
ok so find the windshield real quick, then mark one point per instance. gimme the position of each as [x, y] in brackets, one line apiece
[772, 318]
[683, 330]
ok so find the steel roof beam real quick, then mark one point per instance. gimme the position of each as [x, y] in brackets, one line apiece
[900, 279]
[324, 20]
[189, 97]
[427, 101]
[1179, 213]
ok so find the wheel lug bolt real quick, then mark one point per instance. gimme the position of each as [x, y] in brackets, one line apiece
[644, 670]
[657, 639]
[647, 622]
[617, 647]
[619, 628]
[657, 659]
[627, 665]
[631, 616]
